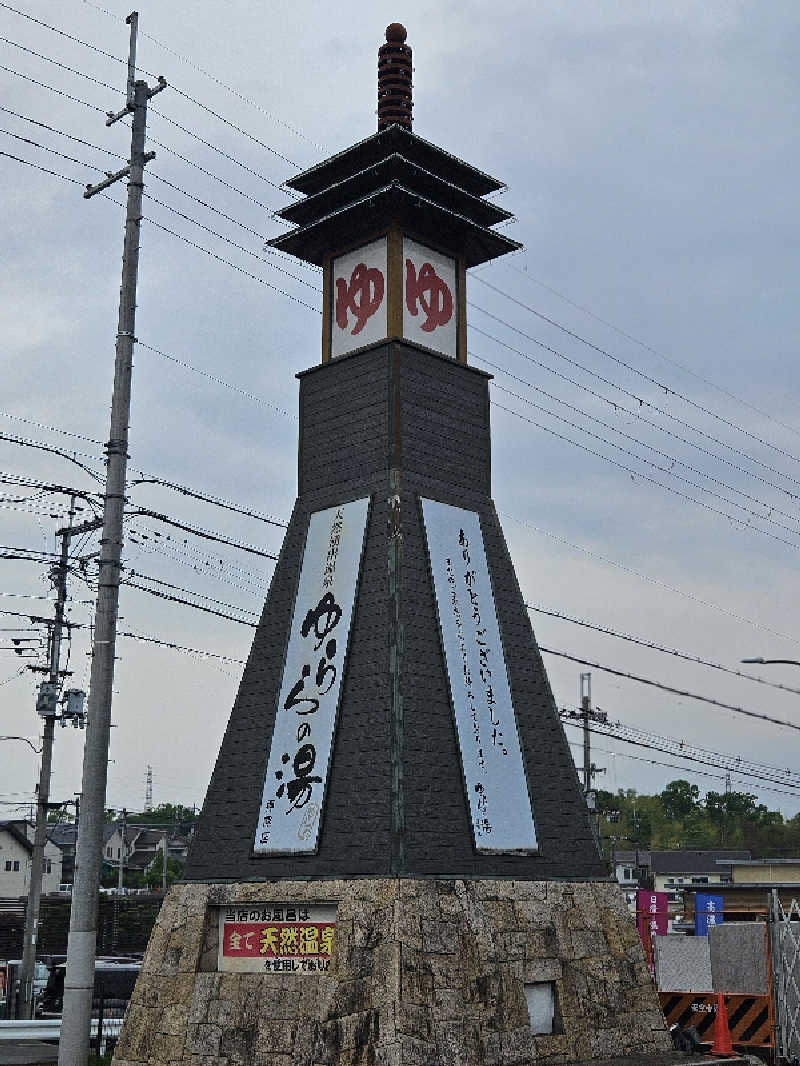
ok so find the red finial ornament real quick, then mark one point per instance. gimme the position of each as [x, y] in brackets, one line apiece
[394, 79]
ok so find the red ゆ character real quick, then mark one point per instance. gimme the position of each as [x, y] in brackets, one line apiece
[363, 296]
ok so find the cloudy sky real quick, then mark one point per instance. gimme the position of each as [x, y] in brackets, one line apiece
[646, 447]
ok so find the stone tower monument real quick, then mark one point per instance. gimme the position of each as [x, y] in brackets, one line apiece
[394, 863]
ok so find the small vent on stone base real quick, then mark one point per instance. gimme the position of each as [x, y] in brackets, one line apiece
[541, 999]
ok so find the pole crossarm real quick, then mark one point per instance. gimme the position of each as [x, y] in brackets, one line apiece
[93, 190]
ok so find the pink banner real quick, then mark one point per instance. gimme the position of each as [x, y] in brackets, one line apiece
[651, 918]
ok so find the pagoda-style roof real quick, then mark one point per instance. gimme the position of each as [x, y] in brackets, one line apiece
[394, 178]
[386, 142]
[419, 216]
[394, 167]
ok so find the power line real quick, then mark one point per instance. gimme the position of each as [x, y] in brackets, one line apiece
[214, 378]
[225, 504]
[202, 533]
[632, 369]
[56, 63]
[692, 753]
[220, 151]
[227, 262]
[606, 381]
[227, 240]
[217, 81]
[624, 410]
[652, 580]
[653, 646]
[642, 444]
[740, 522]
[676, 766]
[59, 92]
[183, 648]
[187, 603]
[188, 592]
[675, 691]
[654, 351]
[649, 462]
[62, 33]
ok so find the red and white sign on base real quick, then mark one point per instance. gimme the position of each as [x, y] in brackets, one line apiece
[358, 315]
[429, 298]
[276, 938]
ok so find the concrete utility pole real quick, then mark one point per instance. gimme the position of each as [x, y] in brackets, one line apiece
[164, 867]
[79, 982]
[46, 703]
[586, 708]
[123, 852]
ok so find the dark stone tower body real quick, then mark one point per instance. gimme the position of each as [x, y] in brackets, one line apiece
[394, 863]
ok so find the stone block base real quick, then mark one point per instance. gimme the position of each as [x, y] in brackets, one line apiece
[424, 973]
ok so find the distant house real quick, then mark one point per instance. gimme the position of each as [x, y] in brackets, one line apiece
[631, 868]
[142, 846]
[748, 883]
[16, 848]
[677, 871]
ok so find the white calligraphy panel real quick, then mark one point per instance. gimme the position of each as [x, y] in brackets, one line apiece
[491, 758]
[302, 739]
[358, 314]
[430, 310]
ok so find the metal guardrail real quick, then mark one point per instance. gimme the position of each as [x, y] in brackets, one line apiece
[22, 1030]
[30, 1029]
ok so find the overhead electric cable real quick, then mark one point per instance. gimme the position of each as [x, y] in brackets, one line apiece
[227, 262]
[675, 691]
[693, 753]
[219, 151]
[187, 603]
[58, 92]
[56, 63]
[189, 592]
[182, 647]
[233, 244]
[654, 646]
[214, 378]
[648, 462]
[674, 461]
[649, 348]
[693, 771]
[739, 522]
[184, 490]
[620, 408]
[203, 533]
[625, 392]
[634, 370]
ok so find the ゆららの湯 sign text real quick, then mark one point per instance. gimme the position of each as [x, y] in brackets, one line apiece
[302, 738]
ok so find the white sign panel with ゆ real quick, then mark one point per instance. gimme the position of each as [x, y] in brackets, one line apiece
[430, 311]
[302, 739]
[494, 774]
[358, 315]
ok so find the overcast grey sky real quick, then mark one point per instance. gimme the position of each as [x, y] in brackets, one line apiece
[651, 157]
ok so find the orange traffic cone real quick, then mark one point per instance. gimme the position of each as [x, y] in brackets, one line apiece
[722, 1035]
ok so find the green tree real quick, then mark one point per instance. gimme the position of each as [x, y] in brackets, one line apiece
[680, 799]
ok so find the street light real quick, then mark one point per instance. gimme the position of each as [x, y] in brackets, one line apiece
[768, 662]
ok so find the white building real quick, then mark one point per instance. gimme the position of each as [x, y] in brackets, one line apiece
[16, 847]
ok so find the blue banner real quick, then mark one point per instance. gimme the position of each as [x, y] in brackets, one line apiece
[707, 911]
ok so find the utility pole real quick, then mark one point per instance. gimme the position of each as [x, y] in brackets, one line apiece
[586, 707]
[79, 982]
[587, 715]
[46, 704]
[123, 852]
[164, 867]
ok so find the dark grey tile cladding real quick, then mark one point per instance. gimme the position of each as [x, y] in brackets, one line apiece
[428, 417]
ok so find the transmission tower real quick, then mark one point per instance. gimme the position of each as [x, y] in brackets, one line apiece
[148, 789]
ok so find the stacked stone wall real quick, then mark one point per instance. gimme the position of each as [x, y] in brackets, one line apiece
[423, 972]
